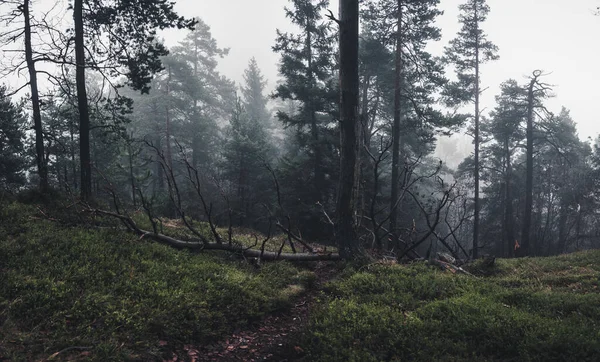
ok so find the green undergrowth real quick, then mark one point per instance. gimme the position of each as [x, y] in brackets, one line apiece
[67, 286]
[530, 309]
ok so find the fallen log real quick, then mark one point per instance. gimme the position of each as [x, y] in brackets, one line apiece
[251, 253]
[203, 245]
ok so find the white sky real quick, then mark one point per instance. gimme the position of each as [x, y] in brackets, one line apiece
[557, 36]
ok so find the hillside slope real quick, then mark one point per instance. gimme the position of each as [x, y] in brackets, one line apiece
[78, 292]
[106, 295]
[531, 309]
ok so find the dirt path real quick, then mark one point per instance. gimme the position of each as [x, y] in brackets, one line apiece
[274, 338]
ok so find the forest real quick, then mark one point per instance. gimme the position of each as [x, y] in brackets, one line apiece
[151, 208]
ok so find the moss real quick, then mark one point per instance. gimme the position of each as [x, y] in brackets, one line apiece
[533, 309]
[63, 286]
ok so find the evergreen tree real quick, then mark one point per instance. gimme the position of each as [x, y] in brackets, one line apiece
[536, 93]
[347, 240]
[467, 52]
[253, 92]
[248, 147]
[21, 10]
[504, 128]
[307, 66]
[405, 28]
[199, 94]
[12, 136]
[131, 30]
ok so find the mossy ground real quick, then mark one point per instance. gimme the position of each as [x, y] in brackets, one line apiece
[128, 299]
[531, 309]
[63, 285]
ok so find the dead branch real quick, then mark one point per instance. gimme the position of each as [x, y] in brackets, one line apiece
[193, 245]
[431, 224]
[332, 17]
[287, 230]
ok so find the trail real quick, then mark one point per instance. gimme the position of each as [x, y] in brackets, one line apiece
[273, 338]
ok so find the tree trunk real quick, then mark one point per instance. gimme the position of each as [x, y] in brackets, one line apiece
[360, 194]
[562, 229]
[42, 165]
[396, 134]
[476, 171]
[526, 231]
[349, 127]
[168, 120]
[319, 176]
[131, 175]
[72, 149]
[82, 104]
[508, 212]
[204, 244]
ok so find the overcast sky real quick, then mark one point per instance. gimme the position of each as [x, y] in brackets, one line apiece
[557, 36]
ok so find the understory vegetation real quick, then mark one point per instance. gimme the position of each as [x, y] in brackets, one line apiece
[532, 309]
[115, 296]
[65, 286]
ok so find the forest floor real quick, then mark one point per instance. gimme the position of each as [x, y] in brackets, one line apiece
[74, 292]
[277, 337]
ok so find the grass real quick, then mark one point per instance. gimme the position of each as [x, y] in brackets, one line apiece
[73, 286]
[531, 309]
[129, 299]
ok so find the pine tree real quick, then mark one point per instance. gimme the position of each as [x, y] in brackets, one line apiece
[199, 93]
[253, 92]
[405, 28]
[504, 127]
[133, 52]
[248, 146]
[467, 52]
[12, 136]
[21, 10]
[347, 240]
[536, 92]
[307, 66]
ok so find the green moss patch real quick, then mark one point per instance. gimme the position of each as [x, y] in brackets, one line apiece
[533, 309]
[128, 299]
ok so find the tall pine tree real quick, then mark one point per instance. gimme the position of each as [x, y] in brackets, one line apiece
[467, 52]
[248, 147]
[308, 67]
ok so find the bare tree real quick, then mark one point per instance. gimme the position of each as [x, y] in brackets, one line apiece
[13, 33]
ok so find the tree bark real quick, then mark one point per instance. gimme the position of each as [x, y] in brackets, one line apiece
[82, 103]
[131, 175]
[508, 212]
[42, 165]
[396, 134]
[349, 127]
[561, 244]
[196, 245]
[168, 119]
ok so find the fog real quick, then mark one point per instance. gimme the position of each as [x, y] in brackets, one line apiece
[552, 36]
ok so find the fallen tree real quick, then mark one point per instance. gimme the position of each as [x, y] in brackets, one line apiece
[201, 241]
[248, 252]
